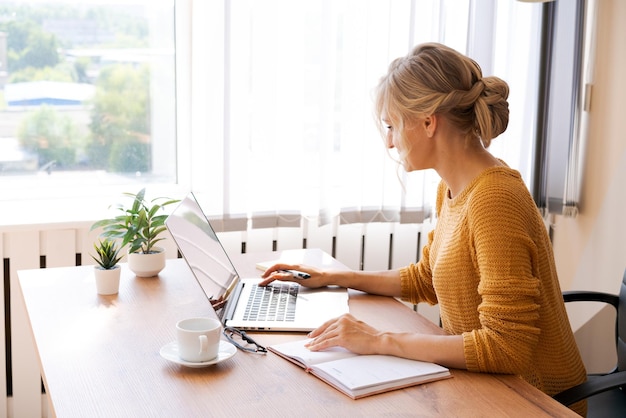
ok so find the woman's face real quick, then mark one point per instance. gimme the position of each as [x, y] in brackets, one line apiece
[411, 142]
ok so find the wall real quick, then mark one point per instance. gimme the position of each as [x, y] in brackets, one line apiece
[590, 249]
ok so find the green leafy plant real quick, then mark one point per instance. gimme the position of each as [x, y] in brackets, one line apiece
[138, 226]
[107, 253]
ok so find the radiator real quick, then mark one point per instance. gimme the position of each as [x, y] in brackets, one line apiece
[374, 246]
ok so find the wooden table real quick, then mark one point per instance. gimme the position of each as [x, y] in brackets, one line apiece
[100, 357]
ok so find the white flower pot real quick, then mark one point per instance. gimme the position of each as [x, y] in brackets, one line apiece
[147, 265]
[107, 281]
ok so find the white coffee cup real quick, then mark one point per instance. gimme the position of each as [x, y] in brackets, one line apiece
[198, 339]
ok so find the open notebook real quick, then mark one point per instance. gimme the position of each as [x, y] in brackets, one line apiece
[281, 306]
[360, 375]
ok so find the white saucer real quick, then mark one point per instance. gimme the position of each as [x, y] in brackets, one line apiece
[170, 352]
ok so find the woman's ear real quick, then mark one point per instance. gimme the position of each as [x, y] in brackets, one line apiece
[430, 125]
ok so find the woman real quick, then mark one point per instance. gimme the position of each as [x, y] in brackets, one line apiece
[488, 263]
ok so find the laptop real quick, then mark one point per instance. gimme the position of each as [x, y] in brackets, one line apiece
[280, 306]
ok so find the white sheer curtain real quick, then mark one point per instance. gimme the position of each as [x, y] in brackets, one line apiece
[281, 102]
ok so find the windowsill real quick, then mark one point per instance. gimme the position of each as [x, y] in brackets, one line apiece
[68, 198]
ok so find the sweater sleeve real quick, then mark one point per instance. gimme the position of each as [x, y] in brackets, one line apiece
[416, 279]
[502, 228]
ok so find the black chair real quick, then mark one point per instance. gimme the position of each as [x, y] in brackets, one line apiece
[605, 393]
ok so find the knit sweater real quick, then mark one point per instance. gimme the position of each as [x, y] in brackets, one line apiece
[489, 265]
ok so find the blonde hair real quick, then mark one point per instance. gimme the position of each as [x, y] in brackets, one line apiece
[436, 79]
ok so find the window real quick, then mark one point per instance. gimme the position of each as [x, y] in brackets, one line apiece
[262, 107]
[569, 56]
[88, 95]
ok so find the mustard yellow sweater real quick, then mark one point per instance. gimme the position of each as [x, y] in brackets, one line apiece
[490, 267]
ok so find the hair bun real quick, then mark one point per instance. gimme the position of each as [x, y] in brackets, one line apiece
[492, 105]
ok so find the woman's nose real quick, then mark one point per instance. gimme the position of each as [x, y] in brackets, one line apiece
[389, 141]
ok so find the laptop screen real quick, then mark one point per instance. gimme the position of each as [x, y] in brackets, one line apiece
[200, 247]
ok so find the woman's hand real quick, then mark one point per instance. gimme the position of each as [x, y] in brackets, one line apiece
[317, 278]
[347, 332]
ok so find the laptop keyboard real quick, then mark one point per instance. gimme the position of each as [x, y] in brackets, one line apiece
[276, 302]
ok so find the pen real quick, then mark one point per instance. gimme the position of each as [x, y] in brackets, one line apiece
[298, 274]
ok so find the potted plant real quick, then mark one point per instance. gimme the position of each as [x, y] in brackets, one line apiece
[139, 226]
[107, 271]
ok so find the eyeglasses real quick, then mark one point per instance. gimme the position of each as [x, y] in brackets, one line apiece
[237, 336]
